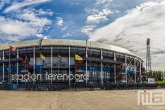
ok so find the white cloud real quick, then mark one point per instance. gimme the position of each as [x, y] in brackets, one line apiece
[28, 24]
[96, 19]
[60, 21]
[3, 2]
[88, 29]
[99, 16]
[30, 16]
[42, 12]
[91, 11]
[41, 36]
[67, 35]
[18, 5]
[98, 2]
[132, 30]
[15, 27]
[24, 22]
[64, 28]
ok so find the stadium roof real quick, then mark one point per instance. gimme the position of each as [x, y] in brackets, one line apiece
[67, 42]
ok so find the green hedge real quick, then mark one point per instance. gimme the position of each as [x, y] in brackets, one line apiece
[160, 82]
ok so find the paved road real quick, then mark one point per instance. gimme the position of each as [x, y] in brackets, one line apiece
[82, 100]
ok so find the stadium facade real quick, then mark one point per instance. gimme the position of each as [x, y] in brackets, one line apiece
[102, 63]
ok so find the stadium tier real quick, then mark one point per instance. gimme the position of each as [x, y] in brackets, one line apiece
[68, 61]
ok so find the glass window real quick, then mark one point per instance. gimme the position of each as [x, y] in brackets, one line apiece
[104, 51]
[63, 47]
[56, 47]
[110, 53]
[96, 50]
[46, 47]
[21, 49]
[75, 48]
[81, 48]
[1, 53]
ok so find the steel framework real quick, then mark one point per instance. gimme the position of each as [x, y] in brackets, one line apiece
[148, 57]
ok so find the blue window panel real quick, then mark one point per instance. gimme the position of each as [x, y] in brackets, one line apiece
[37, 67]
[130, 71]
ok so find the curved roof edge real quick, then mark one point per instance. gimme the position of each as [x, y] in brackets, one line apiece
[68, 42]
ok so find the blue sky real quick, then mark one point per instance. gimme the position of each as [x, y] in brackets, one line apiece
[62, 18]
[125, 23]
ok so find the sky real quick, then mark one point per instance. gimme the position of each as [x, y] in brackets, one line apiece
[125, 23]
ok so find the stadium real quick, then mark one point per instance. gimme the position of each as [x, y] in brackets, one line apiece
[101, 64]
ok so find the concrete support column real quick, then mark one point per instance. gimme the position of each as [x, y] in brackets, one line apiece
[86, 71]
[51, 62]
[86, 65]
[115, 67]
[140, 72]
[101, 73]
[69, 67]
[3, 80]
[135, 70]
[34, 62]
[126, 65]
[17, 64]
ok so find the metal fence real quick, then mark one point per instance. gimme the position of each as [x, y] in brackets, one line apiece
[76, 87]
